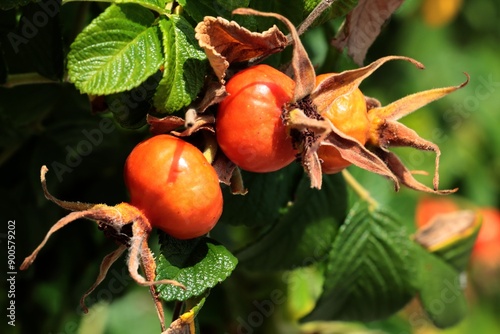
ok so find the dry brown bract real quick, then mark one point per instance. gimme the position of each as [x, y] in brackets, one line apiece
[385, 130]
[126, 225]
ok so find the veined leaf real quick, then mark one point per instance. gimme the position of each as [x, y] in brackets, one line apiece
[199, 264]
[116, 52]
[369, 271]
[185, 65]
[337, 9]
[305, 233]
[156, 5]
[440, 290]
[198, 9]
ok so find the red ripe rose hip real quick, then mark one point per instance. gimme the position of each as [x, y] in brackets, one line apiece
[249, 126]
[175, 187]
[349, 114]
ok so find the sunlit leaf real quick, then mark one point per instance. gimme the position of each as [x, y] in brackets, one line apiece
[184, 68]
[198, 264]
[156, 5]
[116, 52]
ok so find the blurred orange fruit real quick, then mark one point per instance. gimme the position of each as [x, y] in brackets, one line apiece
[437, 13]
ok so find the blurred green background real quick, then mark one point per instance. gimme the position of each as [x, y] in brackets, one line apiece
[40, 122]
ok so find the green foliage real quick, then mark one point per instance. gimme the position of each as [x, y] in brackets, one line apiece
[145, 59]
[369, 271]
[156, 5]
[304, 234]
[116, 52]
[276, 189]
[185, 65]
[199, 264]
[440, 290]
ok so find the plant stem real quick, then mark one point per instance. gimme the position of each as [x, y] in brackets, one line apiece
[316, 12]
[210, 149]
[14, 80]
[360, 190]
[177, 310]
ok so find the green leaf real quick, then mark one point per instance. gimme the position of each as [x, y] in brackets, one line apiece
[292, 10]
[185, 65]
[116, 52]
[369, 270]
[270, 192]
[305, 233]
[156, 5]
[337, 9]
[440, 290]
[199, 264]
[198, 9]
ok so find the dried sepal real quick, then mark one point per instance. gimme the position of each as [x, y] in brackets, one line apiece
[304, 74]
[71, 206]
[386, 132]
[236, 183]
[325, 133]
[126, 225]
[195, 122]
[405, 176]
[226, 42]
[165, 124]
[215, 92]
[103, 271]
[195, 119]
[338, 84]
[408, 104]
[446, 228]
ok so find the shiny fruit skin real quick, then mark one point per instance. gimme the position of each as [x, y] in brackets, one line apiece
[349, 115]
[249, 126]
[175, 187]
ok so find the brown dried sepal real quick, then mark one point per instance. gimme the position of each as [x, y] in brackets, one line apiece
[384, 131]
[226, 42]
[325, 133]
[127, 226]
[446, 228]
[195, 119]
